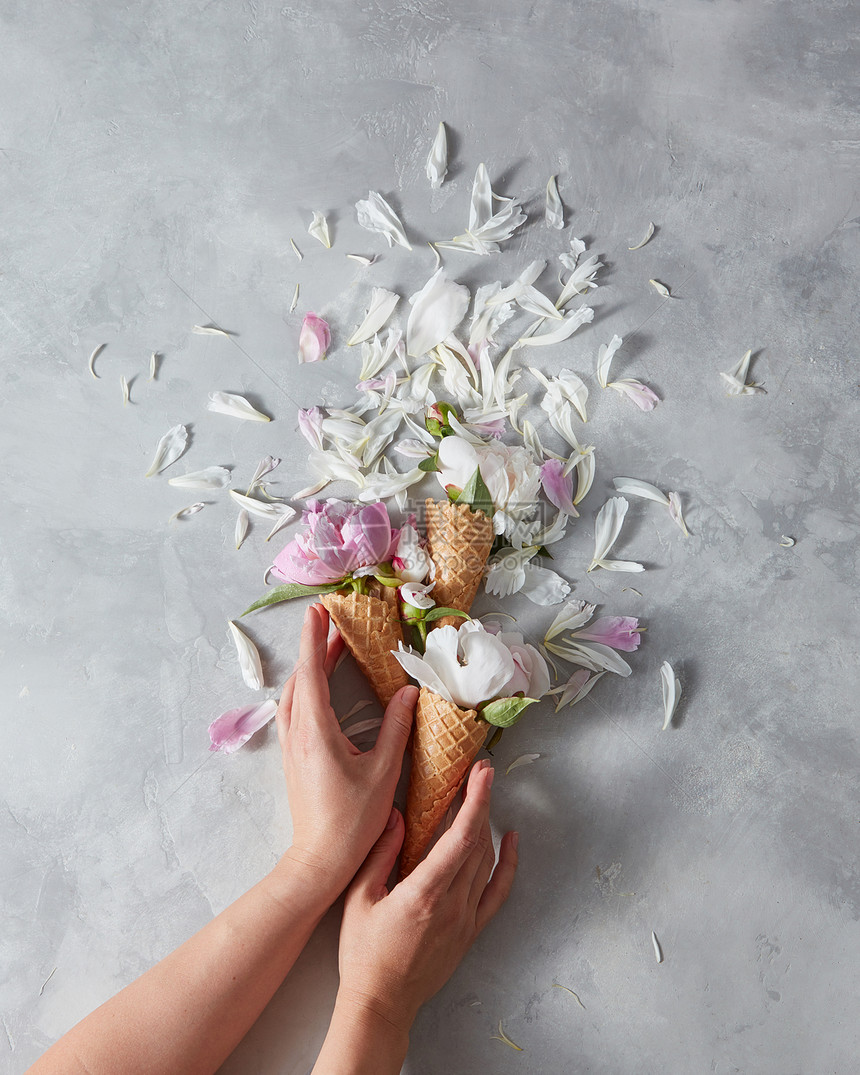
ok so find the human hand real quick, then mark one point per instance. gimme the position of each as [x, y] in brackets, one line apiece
[398, 948]
[340, 798]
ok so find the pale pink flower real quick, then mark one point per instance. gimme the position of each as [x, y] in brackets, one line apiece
[340, 539]
[314, 339]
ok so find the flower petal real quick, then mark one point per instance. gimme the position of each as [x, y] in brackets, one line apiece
[644, 397]
[235, 407]
[314, 339]
[554, 213]
[544, 587]
[648, 233]
[375, 214]
[421, 671]
[437, 309]
[671, 692]
[661, 289]
[437, 162]
[635, 487]
[208, 478]
[235, 727]
[523, 759]
[319, 229]
[168, 450]
[605, 354]
[249, 658]
[242, 523]
[562, 331]
[382, 303]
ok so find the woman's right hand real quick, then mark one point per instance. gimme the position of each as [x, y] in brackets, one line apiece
[398, 948]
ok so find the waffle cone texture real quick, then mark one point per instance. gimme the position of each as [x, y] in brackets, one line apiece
[371, 630]
[459, 542]
[445, 742]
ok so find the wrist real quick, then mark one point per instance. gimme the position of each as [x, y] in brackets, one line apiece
[387, 1016]
[298, 870]
[364, 1038]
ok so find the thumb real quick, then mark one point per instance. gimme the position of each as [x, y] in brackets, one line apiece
[396, 725]
[369, 883]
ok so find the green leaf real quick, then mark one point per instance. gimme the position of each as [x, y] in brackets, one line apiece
[494, 738]
[438, 613]
[476, 494]
[446, 409]
[430, 464]
[454, 493]
[388, 580]
[289, 592]
[504, 712]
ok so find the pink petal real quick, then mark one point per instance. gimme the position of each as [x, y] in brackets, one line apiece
[644, 398]
[310, 426]
[558, 486]
[235, 727]
[620, 632]
[314, 339]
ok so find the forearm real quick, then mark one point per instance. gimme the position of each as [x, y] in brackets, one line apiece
[362, 1040]
[190, 1011]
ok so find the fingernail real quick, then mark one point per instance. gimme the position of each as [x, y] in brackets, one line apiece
[491, 777]
[392, 818]
[410, 695]
[515, 840]
[307, 613]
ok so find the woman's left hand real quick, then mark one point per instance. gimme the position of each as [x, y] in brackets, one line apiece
[340, 798]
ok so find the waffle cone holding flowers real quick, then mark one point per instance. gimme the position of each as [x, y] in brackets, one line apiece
[459, 542]
[445, 741]
[370, 627]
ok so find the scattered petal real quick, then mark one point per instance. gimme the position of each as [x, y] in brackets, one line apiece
[640, 394]
[605, 354]
[649, 232]
[736, 378]
[661, 289]
[658, 952]
[319, 229]
[577, 687]
[169, 449]
[503, 1037]
[235, 407]
[363, 726]
[296, 250]
[243, 521]
[486, 230]
[266, 465]
[235, 727]
[295, 301]
[523, 759]
[677, 514]
[671, 694]
[606, 531]
[561, 330]
[314, 339]
[544, 587]
[272, 512]
[208, 478]
[153, 365]
[381, 307]
[249, 658]
[437, 309]
[437, 162]
[557, 985]
[356, 709]
[361, 259]
[375, 214]
[554, 215]
[192, 509]
[635, 487]
[787, 542]
[91, 364]
[125, 390]
[210, 330]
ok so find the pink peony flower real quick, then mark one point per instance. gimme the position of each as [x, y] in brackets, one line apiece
[314, 339]
[340, 539]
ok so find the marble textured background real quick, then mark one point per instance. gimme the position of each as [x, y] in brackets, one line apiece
[155, 159]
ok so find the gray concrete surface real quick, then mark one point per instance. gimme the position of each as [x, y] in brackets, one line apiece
[155, 159]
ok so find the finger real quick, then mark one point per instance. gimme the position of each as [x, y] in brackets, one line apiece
[396, 725]
[500, 883]
[285, 705]
[334, 651]
[456, 847]
[483, 869]
[370, 881]
[311, 699]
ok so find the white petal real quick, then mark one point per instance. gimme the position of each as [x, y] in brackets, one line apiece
[523, 759]
[585, 470]
[361, 259]
[787, 542]
[554, 215]
[208, 478]
[235, 406]
[635, 487]
[210, 330]
[535, 302]
[578, 687]
[420, 670]
[506, 571]
[375, 214]
[125, 389]
[272, 512]
[91, 363]
[249, 658]
[296, 250]
[616, 565]
[561, 331]
[192, 509]
[677, 514]
[169, 449]
[266, 465]
[153, 365]
[581, 278]
[661, 289]
[481, 205]
[649, 232]
[671, 692]
[381, 307]
[593, 655]
[319, 229]
[243, 521]
[295, 301]
[574, 615]
[437, 162]
[544, 587]
[383, 486]
[363, 726]
[608, 526]
[605, 354]
[437, 309]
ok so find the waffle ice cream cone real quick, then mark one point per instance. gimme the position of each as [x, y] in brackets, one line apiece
[371, 630]
[445, 742]
[459, 542]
